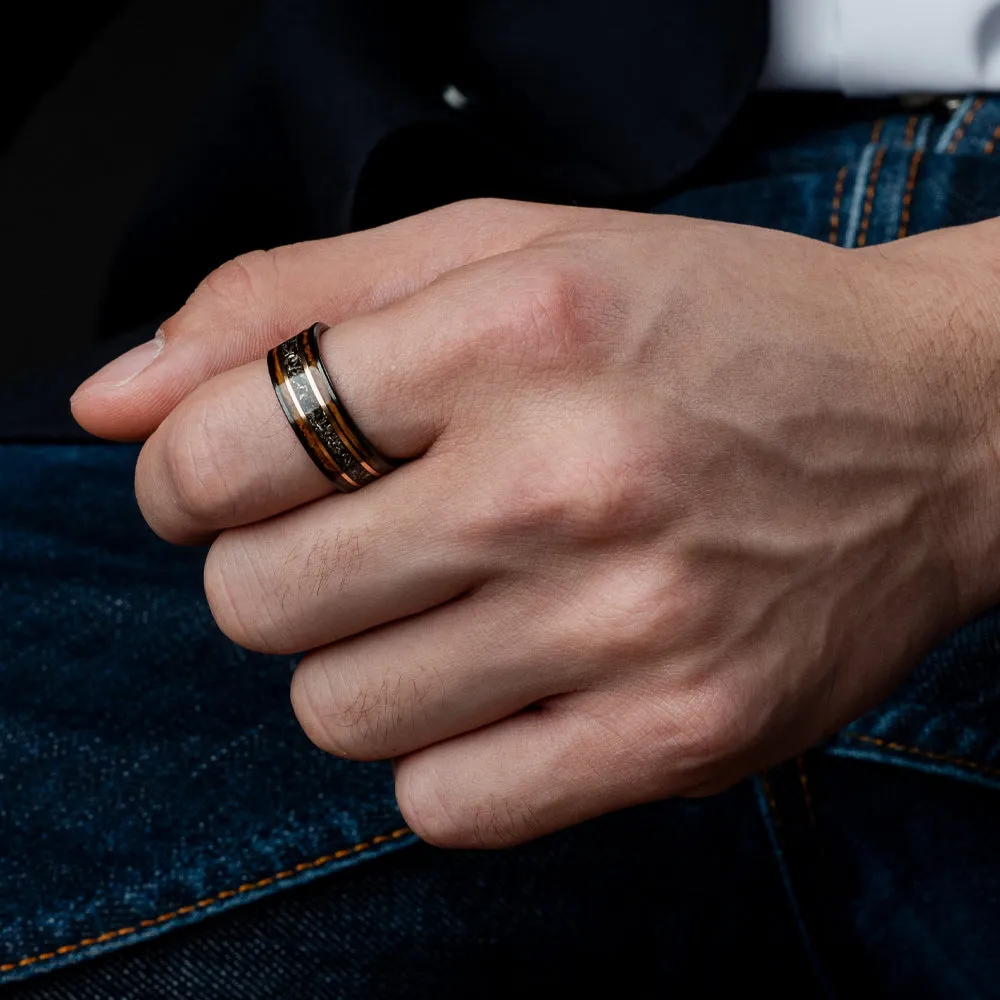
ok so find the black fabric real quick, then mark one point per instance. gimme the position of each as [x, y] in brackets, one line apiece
[331, 118]
[610, 99]
[37, 49]
[36, 410]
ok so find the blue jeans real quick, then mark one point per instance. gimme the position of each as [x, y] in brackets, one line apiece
[167, 831]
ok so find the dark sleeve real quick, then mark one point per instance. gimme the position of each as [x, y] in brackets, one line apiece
[330, 117]
[617, 97]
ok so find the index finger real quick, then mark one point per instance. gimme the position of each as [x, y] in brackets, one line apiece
[257, 300]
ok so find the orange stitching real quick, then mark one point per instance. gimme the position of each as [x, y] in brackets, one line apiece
[911, 182]
[772, 802]
[992, 141]
[870, 197]
[806, 792]
[966, 122]
[838, 193]
[930, 755]
[211, 900]
[911, 128]
[876, 131]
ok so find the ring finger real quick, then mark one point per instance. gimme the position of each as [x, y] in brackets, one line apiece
[343, 564]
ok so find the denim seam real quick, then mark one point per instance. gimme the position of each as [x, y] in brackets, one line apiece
[953, 132]
[870, 192]
[929, 754]
[838, 195]
[911, 183]
[966, 122]
[863, 170]
[807, 797]
[857, 195]
[246, 887]
[768, 806]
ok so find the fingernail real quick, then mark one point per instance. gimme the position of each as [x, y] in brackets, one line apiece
[123, 369]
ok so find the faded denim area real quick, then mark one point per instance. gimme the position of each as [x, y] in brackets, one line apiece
[153, 779]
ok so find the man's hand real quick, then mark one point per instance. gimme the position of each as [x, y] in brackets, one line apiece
[686, 497]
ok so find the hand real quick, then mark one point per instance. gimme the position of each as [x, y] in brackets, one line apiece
[686, 497]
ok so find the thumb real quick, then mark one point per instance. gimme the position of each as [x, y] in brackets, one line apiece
[257, 300]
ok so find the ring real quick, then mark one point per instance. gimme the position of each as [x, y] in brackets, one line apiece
[320, 420]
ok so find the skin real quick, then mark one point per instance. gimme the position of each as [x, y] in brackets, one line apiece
[686, 497]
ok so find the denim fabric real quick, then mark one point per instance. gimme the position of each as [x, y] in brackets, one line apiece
[614, 907]
[153, 780]
[142, 752]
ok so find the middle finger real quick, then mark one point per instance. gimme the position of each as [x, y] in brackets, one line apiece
[227, 455]
[346, 563]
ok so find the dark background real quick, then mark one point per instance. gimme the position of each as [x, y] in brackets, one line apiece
[93, 99]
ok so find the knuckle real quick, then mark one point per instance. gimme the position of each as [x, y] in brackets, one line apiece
[623, 735]
[642, 613]
[311, 696]
[593, 495]
[435, 808]
[668, 738]
[632, 615]
[241, 283]
[430, 804]
[608, 492]
[199, 484]
[545, 314]
[356, 716]
[704, 726]
[243, 606]
[244, 291]
[472, 210]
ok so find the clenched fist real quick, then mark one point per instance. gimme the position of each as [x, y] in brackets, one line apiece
[685, 497]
